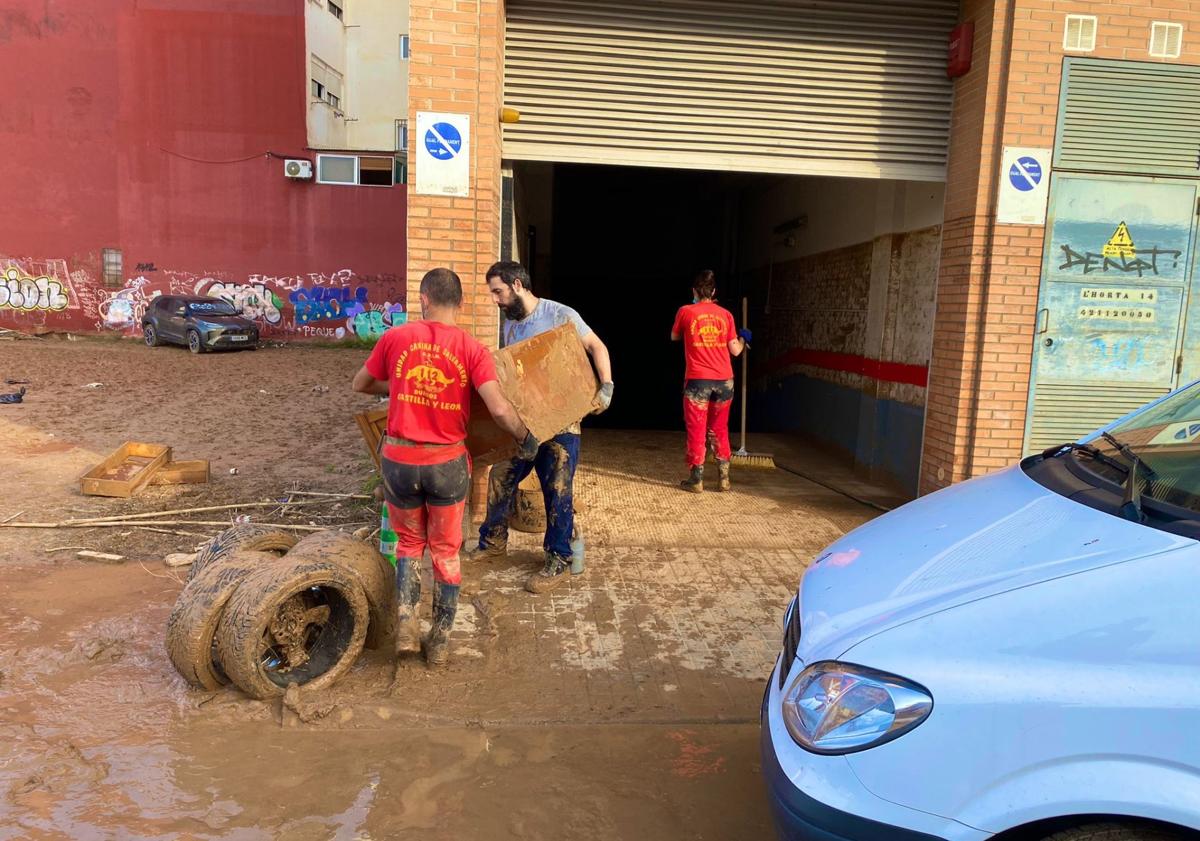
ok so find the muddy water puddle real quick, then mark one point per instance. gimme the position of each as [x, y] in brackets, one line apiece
[100, 739]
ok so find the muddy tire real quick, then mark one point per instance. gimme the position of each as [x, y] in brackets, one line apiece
[302, 623]
[246, 536]
[368, 566]
[192, 625]
[194, 344]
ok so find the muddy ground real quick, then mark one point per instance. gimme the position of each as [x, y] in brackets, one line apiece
[623, 706]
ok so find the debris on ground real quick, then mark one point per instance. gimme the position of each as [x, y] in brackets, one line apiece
[13, 397]
[255, 605]
[136, 464]
[180, 559]
[92, 385]
[105, 557]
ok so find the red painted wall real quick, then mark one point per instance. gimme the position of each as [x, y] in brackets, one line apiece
[158, 127]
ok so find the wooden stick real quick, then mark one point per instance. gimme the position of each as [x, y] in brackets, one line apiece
[14, 516]
[135, 524]
[337, 496]
[150, 514]
[171, 531]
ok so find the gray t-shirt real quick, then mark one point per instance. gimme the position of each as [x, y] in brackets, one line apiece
[545, 316]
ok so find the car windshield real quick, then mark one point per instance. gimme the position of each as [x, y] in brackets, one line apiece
[1166, 438]
[213, 307]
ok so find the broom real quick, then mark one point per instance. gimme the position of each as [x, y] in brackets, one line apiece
[740, 457]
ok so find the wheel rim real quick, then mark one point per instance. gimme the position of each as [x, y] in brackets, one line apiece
[193, 341]
[149, 335]
[308, 635]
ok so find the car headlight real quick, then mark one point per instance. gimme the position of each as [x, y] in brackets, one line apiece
[836, 708]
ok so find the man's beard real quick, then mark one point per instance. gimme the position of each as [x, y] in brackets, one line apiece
[516, 310]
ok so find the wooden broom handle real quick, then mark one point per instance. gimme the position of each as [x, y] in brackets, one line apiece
[745, 348]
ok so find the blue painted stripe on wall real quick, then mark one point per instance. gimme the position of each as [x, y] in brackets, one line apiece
[831, 413]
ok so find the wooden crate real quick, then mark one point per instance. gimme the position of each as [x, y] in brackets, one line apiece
[126, 471]
[182, 473]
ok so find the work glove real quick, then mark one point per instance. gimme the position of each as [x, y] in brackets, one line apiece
[745, 335]
[603, 398]
[528, 448]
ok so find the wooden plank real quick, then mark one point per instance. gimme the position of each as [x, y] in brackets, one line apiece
[183, 473]
[548, 378]
[126, 471]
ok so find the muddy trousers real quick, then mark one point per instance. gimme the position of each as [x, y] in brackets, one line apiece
[706, 406]
[555, 464]
[426, 491]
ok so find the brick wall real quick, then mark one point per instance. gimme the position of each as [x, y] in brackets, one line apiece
[979, 378]
[457, 66]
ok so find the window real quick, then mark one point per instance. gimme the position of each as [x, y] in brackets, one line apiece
[402, 136]
[376, 172]
[326, 83]
[405, 44]
[114, 269]
[1166, 39]
[367, 170]
[337, 169]
[1080, 34]
[335, 9]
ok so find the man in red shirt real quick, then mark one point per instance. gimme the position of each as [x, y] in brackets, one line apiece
[428, 369]
[709, 339]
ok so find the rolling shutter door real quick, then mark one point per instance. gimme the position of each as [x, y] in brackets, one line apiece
[828, 88]
[1129, 116]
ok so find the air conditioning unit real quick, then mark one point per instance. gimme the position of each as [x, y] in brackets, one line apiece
[294, 168]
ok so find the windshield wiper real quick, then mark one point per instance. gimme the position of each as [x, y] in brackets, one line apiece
[1131, 505]
[1087, 450]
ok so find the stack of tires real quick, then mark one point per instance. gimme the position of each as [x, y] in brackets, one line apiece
[262, 610]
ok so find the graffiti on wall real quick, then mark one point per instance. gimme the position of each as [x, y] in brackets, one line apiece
[30, 289]
[335, 305]
[123, 309]
[255, 300]
[1122, 255]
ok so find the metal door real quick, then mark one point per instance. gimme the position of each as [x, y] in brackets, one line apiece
[1115, 277]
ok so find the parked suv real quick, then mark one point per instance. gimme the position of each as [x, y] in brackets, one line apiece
[1016, 657]
[199, 323]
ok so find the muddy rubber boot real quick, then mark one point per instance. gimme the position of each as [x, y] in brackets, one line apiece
[437, 642]
[722, 475]
[554, 573]
[695, 480]
[408, 596]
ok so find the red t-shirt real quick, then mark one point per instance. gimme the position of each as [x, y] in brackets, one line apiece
[430, 368]
[706, 330]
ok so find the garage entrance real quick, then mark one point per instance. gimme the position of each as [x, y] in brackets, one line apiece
[799, 152]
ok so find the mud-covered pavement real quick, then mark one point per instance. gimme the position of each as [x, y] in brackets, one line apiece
[623, 706]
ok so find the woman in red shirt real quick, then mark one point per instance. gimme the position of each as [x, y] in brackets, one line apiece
[709, 340]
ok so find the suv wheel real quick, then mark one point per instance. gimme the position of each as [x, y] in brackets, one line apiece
[193, 340]
[150, 335]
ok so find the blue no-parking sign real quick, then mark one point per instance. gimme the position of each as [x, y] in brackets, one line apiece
[443, 154]
[1024, 186]
[443, 141]
[1025, 173]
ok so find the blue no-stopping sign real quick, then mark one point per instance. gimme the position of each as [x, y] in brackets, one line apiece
[1025, 173]
[443, 141]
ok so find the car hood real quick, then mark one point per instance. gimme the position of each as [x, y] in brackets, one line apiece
[967, 542]
[223, 320]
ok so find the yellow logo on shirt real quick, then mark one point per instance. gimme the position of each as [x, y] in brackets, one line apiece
[708, 331]
[424, 371]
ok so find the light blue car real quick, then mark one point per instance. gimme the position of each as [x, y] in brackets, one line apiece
[1016, 657]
